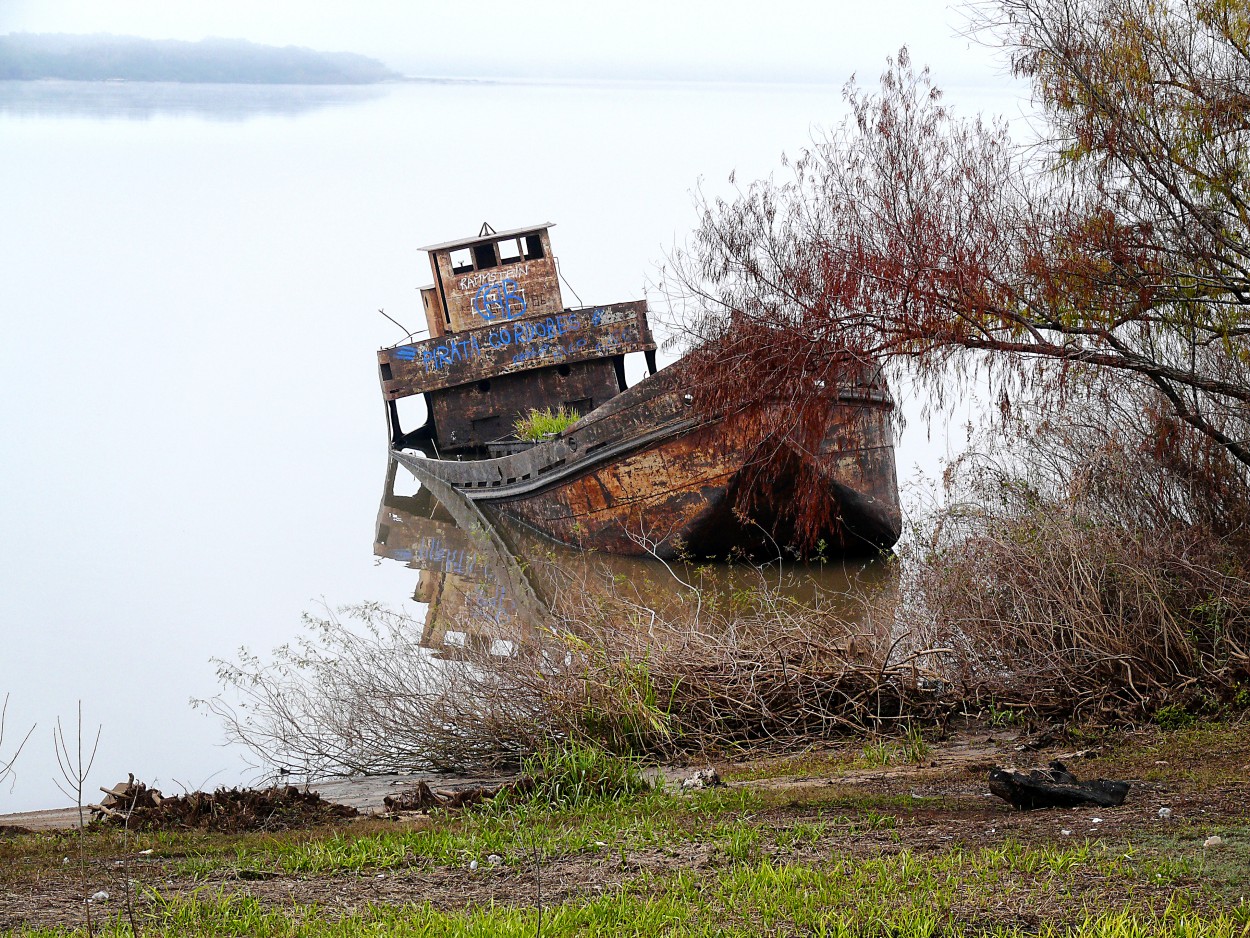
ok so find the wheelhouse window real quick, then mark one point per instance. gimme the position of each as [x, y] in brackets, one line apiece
[484, 256]
[509, 251]
[493, 254]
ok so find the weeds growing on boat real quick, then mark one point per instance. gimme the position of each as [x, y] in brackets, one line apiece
[540, 424]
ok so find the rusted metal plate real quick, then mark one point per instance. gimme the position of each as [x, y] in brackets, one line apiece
[475, 414]
[647, 474]
[518, 345]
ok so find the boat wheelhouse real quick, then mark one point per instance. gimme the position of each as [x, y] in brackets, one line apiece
[502, 343]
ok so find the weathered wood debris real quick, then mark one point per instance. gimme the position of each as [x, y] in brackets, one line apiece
[421, 797]
[134, 805]
[1054, 787]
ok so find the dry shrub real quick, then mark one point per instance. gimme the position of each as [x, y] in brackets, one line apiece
[1091, 565]
[764, 670]
[359, 694]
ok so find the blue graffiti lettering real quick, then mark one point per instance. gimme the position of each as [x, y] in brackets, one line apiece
[432, 553]
[532, 339]
[438, 357]
[499, 300]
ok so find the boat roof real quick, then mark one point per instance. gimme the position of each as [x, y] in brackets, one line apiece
[480, 238]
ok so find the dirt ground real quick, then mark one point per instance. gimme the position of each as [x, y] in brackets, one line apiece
[939, 803]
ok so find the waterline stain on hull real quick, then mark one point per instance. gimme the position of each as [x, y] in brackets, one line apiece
[647, 476]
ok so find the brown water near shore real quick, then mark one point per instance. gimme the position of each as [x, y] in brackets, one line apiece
[482, 578]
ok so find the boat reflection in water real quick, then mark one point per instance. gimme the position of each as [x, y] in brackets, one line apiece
[476, 596]
[489, 583]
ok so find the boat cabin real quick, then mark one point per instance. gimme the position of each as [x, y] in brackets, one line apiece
[502, 343]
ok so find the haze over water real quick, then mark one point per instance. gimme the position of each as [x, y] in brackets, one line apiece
[194, 439]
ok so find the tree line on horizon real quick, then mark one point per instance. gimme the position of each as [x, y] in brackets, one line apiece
[29, 56]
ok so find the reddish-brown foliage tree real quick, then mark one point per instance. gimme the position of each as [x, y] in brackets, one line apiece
[1115, 249]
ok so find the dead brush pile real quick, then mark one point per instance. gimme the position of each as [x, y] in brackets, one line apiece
[1095, 567]
[137, 807]
[360, 695]
[765, 671]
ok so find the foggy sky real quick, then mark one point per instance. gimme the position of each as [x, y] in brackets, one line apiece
[782, 40]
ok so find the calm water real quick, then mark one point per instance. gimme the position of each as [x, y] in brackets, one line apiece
[479, 575]
[194, 443]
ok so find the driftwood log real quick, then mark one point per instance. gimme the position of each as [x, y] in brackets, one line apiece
[1054, 787]
[421, 797]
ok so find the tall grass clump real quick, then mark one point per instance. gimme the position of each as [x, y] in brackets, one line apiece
[1093, 564]
[540, 424]
[567, 774]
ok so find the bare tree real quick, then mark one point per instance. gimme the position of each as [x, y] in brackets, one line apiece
[74, 771]
[1115, 249]
[7, 763]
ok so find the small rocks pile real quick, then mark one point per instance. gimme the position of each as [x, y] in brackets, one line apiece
[704, 778]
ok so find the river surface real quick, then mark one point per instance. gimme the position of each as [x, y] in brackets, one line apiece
[194, 443]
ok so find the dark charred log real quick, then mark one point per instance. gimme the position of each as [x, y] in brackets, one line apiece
[1054, 787]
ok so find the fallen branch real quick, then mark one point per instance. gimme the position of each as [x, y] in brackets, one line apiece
[1054, 787]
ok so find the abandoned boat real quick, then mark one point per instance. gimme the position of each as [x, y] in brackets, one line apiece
[645, 469]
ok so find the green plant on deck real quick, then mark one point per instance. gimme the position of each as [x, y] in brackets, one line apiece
[539, 424]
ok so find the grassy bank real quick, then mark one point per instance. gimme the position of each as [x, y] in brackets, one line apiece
[839, 842]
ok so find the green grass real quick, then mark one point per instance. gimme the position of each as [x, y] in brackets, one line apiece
[652, 820]
[573, 774]
[539, 424]
[816, 762]
[818, 859]
[910, 748]
[1209, 753]
[900, 895]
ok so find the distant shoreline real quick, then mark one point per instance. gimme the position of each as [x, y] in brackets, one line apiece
[106, 58]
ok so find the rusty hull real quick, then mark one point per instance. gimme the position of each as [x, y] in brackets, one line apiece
[646, 474]
[678, 495]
